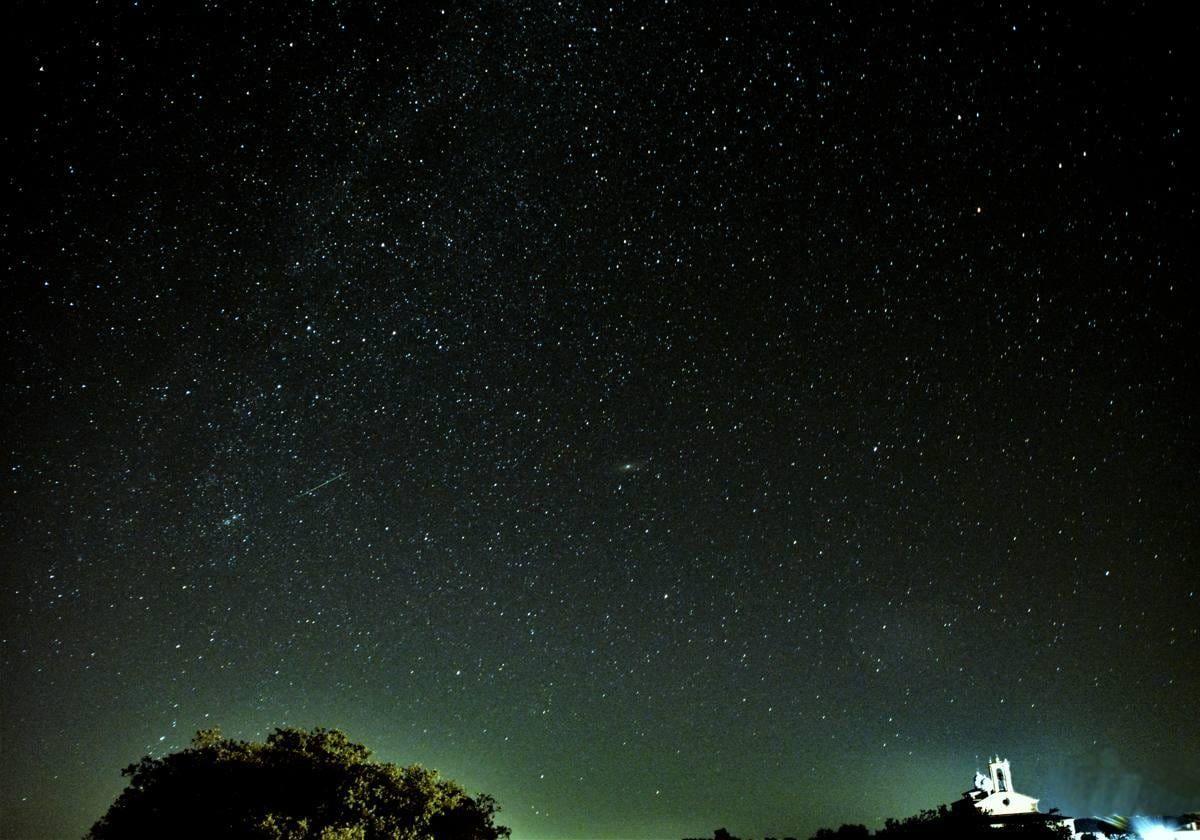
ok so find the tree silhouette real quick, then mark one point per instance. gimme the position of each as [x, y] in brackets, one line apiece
[846, 832]
[966, 824]
[297, 785]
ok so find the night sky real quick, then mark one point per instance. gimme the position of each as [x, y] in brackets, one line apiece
[660, 416]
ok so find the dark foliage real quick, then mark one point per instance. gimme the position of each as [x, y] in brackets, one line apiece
[846, 832]
[942, 824]
[296, 786]
[946, 824]
[968, 825]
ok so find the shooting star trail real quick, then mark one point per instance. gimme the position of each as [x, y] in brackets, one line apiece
[312, 490]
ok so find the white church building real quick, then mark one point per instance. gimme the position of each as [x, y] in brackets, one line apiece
[993, 793]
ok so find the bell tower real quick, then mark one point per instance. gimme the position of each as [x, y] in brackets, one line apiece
[994, 795]
[1001, 775]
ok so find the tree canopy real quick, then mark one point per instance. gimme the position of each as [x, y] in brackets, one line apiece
[948, 824]
[297, 785]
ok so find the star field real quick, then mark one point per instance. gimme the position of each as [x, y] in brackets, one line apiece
[659, 416]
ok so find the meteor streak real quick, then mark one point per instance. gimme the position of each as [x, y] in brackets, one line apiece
[312, 490]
